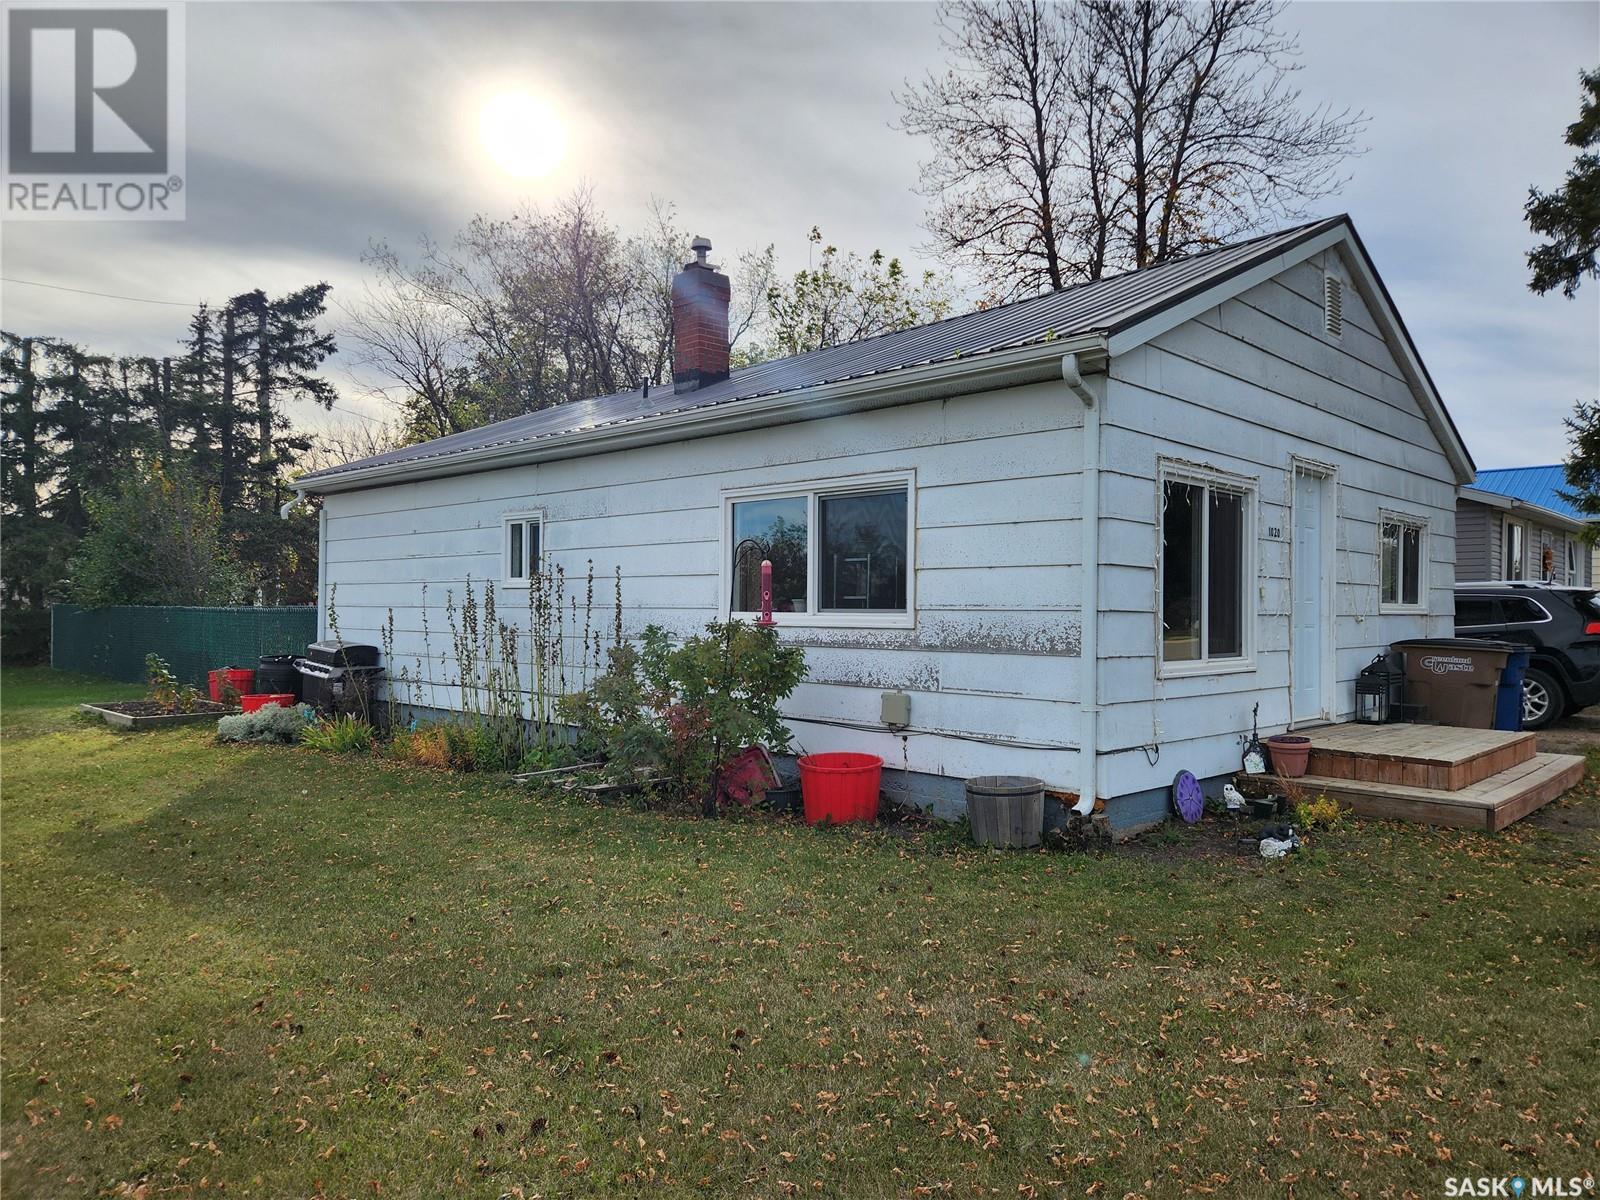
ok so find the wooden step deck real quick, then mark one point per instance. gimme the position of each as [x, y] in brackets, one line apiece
[1489, 804]
[1440, 757]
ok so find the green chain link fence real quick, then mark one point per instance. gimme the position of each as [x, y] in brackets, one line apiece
[113, 641]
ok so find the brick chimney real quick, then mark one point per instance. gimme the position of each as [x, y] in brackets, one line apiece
[700, 295]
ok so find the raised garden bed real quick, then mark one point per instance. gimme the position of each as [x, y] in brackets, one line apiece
[147, 714]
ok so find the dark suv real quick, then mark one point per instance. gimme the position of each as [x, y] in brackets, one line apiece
[1559, 625]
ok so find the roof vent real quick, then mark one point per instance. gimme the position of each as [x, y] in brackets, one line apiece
[1333, 305]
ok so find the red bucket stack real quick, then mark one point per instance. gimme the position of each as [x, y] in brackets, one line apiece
[241, 681]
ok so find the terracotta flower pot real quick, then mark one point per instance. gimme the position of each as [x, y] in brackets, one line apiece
[1290, 752]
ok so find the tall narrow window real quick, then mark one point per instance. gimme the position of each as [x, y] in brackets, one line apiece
[1182, 554]
[1400, 562]
[1205, 556]
[1515, 555]
[521, 549]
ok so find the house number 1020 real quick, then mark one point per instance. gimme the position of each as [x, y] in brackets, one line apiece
[1275, 531]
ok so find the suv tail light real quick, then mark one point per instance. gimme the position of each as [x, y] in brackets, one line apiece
[1592, 629]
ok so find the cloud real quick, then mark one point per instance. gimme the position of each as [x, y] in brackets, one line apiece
[314, 128]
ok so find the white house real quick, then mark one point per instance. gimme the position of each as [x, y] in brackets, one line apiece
[1235, 464]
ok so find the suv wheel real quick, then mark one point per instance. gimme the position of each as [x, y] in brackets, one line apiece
[1542, 699]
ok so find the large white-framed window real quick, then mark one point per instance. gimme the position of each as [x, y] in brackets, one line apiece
[1514, 550]
[842, 550]
[1402, 562]
[1205, 569]
[521, 547]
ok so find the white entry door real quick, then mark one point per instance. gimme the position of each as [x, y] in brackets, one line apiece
[1309, 622]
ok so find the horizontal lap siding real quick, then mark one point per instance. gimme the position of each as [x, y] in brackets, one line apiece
[1242, 388]
[993, 655]
[1474, 558]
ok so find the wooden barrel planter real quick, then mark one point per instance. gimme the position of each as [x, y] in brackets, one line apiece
[1006, 810]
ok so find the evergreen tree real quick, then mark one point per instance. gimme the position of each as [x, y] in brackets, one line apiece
[211, 422]
[1570, 216]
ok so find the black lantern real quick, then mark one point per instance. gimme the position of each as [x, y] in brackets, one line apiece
[1379, 690]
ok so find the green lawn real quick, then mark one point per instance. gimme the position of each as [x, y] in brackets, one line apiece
[289, 975]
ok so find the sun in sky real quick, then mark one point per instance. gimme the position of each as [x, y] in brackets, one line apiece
[522, 134]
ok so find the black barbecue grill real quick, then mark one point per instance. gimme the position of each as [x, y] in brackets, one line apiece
[339, 677]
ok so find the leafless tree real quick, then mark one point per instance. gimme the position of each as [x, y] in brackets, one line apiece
[539, 309]
[343, 444]
[406, 331]
[659, 254]
[1073, 142]
[1001, 119]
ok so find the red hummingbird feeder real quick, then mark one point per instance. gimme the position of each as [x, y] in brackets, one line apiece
[766, 593]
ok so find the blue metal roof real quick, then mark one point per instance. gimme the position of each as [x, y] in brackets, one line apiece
[1532, 485]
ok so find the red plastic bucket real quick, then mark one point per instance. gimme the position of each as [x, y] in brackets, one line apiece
[215, 680]
[840, 787]
[252, 703]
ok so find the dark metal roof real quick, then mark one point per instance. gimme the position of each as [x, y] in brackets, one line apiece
[1105, 306]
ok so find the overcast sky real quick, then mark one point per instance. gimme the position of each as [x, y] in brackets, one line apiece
[314, 128]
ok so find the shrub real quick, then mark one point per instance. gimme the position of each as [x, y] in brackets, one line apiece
[162, 687]
[1323, 812]
[474, 747]
[343, 735]
[451, 746]
[549, 758]
[155, 536]
[269, 725]
[430, 748]
[25, 637]
[689, 709]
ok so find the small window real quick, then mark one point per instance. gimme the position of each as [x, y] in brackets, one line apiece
[1400, 563]
[1333, 305]
[1475, 611]
[835, 552]
[1204, 571]
[522, 548]
[1515, 556]
[1572, 561]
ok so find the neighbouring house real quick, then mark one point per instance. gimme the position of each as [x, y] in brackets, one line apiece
[1513, 523]
[1086, 534]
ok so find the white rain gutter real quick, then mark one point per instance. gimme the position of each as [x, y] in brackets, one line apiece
[1526, 509]
[1089, 614]
[1038, 362]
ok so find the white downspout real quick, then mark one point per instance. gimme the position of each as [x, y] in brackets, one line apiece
[322, 571]
[1089, 616]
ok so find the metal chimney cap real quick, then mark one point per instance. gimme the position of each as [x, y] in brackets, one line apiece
[701, 247]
